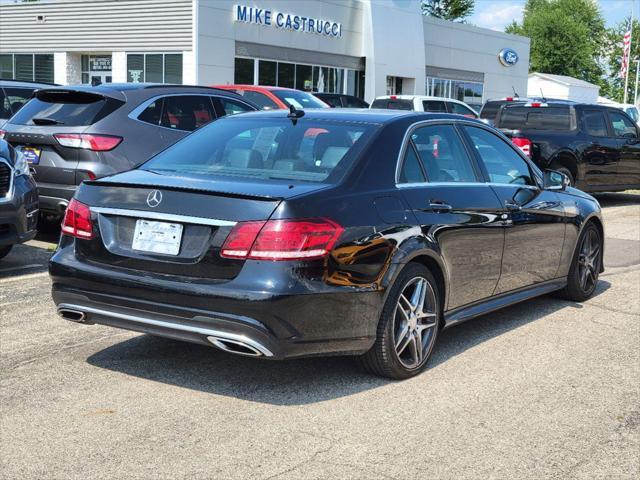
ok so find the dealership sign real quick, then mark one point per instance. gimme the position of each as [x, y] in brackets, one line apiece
[508, 57]
[286, 21]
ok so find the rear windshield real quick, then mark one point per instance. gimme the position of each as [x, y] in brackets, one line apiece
[391, 104]
[65, 108]
[268, 148]
[490, 109]
[299, 99]
[536, 118]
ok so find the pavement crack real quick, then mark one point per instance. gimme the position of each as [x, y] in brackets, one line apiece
[308, 460]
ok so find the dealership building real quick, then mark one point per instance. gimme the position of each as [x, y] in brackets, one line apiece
[360, 47]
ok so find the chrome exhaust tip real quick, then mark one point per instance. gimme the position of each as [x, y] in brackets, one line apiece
[238, 347]
[72, 315]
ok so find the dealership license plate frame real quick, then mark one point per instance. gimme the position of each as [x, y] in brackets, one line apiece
[162, 238]
[31, 154]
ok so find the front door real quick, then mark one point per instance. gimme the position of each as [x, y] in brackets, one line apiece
[460, 213]
[601, 154]
[626, 133]
[535, 219]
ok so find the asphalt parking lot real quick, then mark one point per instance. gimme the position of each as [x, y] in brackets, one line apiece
[544, 389]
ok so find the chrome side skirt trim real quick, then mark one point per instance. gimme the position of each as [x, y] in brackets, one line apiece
[209, 332]
[168, 217]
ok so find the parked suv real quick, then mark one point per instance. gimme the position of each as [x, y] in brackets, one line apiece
[14, 94]
[421, 103]
[71, 134]
[596, 146]
[18, 200]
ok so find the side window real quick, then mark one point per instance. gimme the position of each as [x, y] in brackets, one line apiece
[354, 102]
[502, 162]
[186, 112]
[233, 107]
[595, 123]
[443, 154]
[411, 169]
[622, 126]
[260, 99]
[461, 110]
[434, 106]
[17, 97]
[153, 112]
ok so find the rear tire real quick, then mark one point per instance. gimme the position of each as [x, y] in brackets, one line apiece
[585, 266]
[4, 251]
[408, 327]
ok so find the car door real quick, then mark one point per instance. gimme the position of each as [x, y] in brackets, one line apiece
[627, 138]
[455, 208]
[535, 218]
[601, 155]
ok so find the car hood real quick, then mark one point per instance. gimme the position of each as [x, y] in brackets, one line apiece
[225, 185]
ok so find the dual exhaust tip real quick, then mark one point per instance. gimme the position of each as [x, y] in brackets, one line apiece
[238, 347]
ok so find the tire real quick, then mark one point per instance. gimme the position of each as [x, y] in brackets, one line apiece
[585, 266]
[404, 323]
[567, 172]
[4, 251]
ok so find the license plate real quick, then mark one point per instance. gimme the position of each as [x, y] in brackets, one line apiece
[31, 154]
[157, 237]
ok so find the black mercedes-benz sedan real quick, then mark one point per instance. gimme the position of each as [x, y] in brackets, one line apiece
[286, 234]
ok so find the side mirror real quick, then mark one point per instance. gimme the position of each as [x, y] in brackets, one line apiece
[554, 180]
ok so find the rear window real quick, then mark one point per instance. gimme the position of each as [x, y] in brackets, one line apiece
[299, 99]
[268, 149]
[490, 109]
[392, 104]
[65, 108]
[536, 118]
[12, 100]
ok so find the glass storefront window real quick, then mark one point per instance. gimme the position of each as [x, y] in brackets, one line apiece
[286, 75]
[468, 92]
[135, 68]
[173, 68]
[27, 67]
[243, 74]
[6, 67]
[304, 78]
[154, 67]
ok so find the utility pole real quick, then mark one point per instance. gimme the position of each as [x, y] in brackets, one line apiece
[635, 96]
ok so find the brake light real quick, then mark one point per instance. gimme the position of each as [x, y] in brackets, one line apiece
[393, 97]
[509, 99]
[282, 239]
[523, 144]
[2, 134]
[77, 221]
[87, 141]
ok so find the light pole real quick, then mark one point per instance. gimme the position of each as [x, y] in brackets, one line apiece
[635, 96]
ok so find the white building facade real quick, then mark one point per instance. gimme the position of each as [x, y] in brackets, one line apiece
[365, 48]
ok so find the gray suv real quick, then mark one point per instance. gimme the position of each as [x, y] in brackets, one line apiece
[71, 134]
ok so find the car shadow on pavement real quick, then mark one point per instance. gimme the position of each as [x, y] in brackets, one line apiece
[302, 381]
[32, 257]
[617, 199]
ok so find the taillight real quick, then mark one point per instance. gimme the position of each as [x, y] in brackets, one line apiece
[77, 221]
[523, 144]
[87, 141]
[282, 239]
[2, 134]
[509, 99]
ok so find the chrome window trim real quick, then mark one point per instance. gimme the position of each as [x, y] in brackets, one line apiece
[12, 173]
[167, 217]
[135, 113]
[464, 184]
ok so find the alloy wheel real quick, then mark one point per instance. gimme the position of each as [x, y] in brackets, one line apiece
[415, 322]
[588, 261]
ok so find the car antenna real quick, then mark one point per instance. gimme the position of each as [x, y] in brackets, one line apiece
[515, 94]
[542, 97]
[294, 114]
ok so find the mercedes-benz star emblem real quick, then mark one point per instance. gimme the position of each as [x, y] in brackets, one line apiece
[154, 198]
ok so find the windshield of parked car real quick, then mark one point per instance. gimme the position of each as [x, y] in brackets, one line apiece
[299, 99]
[633, 113]
[268, 148]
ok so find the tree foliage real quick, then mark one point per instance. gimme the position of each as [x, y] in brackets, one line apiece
[567, 37]
[452, 10]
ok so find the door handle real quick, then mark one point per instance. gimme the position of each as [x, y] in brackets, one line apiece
[512, 207]
[439, 206]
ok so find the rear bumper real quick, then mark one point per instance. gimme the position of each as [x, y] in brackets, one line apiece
[276, 325]
[19, 214]
[54, 198]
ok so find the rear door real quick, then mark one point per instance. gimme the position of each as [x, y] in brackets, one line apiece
[534, 218]
[628, 142]
[601, 155]
[443, 185]
[52, 112]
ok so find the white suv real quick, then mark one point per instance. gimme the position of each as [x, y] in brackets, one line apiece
[423, 103]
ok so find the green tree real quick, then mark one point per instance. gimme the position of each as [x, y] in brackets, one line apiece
[452, 10]
[613, 86]
[567, 37]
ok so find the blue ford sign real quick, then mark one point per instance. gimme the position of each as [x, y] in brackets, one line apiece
[508, 57]
[286, 21]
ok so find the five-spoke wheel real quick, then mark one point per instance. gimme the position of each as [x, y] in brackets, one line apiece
[585, 269]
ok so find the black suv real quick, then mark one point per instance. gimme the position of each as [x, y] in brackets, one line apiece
[71, 134]
[597, 147]
[18, 200]
[14, 94]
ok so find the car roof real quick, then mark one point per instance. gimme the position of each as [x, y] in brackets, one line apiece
[256, 87]
[25, 84]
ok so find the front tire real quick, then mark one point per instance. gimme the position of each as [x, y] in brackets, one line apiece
[408, 327]
[4, 251]
[585, 267]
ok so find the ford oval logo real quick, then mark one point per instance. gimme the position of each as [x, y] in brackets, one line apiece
[508, 57]
[154, 198]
